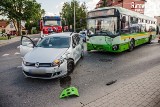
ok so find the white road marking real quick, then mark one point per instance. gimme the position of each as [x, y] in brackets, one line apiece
[17, 53]
[5, 55]
[18, 47]
[19, 67]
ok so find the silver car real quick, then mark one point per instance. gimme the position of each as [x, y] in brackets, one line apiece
[54, 56]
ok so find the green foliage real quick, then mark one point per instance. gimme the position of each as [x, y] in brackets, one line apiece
[67, 14]
[3, 38]
[23, 32]
[19, 10]
[3, 31]
[29, 26]
[104, 3]
[34, 31]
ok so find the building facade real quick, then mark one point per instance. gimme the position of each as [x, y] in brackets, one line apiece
[134, 5]
[158, 20]
[8, 26]
[3, 24]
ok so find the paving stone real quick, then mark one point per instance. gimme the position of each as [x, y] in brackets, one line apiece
[141, 91]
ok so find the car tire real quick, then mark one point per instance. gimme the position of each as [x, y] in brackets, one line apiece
[131, 45]
[150, 39]
[82, 54]
[70, 66]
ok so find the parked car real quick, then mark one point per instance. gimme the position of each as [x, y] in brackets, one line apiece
[54, 56]
[13, 32]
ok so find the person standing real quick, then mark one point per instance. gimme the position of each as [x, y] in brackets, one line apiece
[9, 35]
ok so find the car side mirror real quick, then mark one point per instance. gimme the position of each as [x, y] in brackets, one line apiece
[73, 45]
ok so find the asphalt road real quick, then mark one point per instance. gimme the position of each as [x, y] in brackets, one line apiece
[90, 77]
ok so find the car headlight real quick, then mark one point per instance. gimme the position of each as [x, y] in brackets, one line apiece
[28, 63]
[57, 62]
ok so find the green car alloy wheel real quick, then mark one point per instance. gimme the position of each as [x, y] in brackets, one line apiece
[71, 91]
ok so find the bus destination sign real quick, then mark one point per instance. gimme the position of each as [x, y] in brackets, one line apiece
[101, 13]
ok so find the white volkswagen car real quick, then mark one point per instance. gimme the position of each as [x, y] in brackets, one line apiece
[54, 56]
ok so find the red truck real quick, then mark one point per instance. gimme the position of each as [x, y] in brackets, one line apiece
[50, 24]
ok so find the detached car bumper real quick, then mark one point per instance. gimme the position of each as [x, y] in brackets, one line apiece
[45, 72]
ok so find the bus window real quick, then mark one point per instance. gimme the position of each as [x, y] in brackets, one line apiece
[99, 22]
[134, 20]
[103, 25]
[125, 24]
[139, 20]
[142, 28]
[134, 26]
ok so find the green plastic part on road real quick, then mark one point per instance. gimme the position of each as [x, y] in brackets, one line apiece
[71, 91]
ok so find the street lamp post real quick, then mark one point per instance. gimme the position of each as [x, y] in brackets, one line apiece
[74, 17]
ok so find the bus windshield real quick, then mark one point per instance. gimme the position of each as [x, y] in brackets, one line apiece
[51, 23]
[103, 26]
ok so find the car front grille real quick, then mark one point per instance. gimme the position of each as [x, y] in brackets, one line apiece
[46, 75]
[40, 64]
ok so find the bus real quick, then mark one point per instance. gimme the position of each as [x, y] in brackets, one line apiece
[116, 29]
[50, 24]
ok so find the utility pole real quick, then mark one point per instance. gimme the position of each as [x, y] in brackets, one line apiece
[74, 16]
[122, 3]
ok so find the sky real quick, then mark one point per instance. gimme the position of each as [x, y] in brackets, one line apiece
[53, 7]
[152, 8]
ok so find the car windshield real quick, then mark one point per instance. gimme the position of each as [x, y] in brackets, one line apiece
[55, 42]
[103, 26]
[52, 23]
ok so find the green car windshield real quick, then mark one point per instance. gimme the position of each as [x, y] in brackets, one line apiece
[103, 26]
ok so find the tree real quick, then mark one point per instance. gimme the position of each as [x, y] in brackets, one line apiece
[104, 3]
[18, 10]
[67, 14]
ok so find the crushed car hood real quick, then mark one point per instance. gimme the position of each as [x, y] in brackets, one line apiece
[44, 55]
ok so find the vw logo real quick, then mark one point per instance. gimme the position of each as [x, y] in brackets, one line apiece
[37, 64]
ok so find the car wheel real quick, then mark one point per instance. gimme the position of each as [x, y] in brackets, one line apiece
[84, 39]
[131, 45]
[70, 66]
[82, 54]
[150, 39]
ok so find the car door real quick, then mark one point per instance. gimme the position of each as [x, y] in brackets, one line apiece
[74, 48]
[78, 46]
[26, 46]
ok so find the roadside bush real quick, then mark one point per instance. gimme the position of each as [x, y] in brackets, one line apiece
[34, 31]
[78, 30]
[23, 32]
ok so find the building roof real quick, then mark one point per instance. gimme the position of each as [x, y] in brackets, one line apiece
[3, 23]
[100, 2]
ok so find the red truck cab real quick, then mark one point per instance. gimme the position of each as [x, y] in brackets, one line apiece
[51, 24]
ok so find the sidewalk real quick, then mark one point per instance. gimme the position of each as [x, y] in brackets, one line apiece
[140, 91]
[15, 39]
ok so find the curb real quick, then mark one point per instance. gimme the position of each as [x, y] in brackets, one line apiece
[6, 43]
[16, 40]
